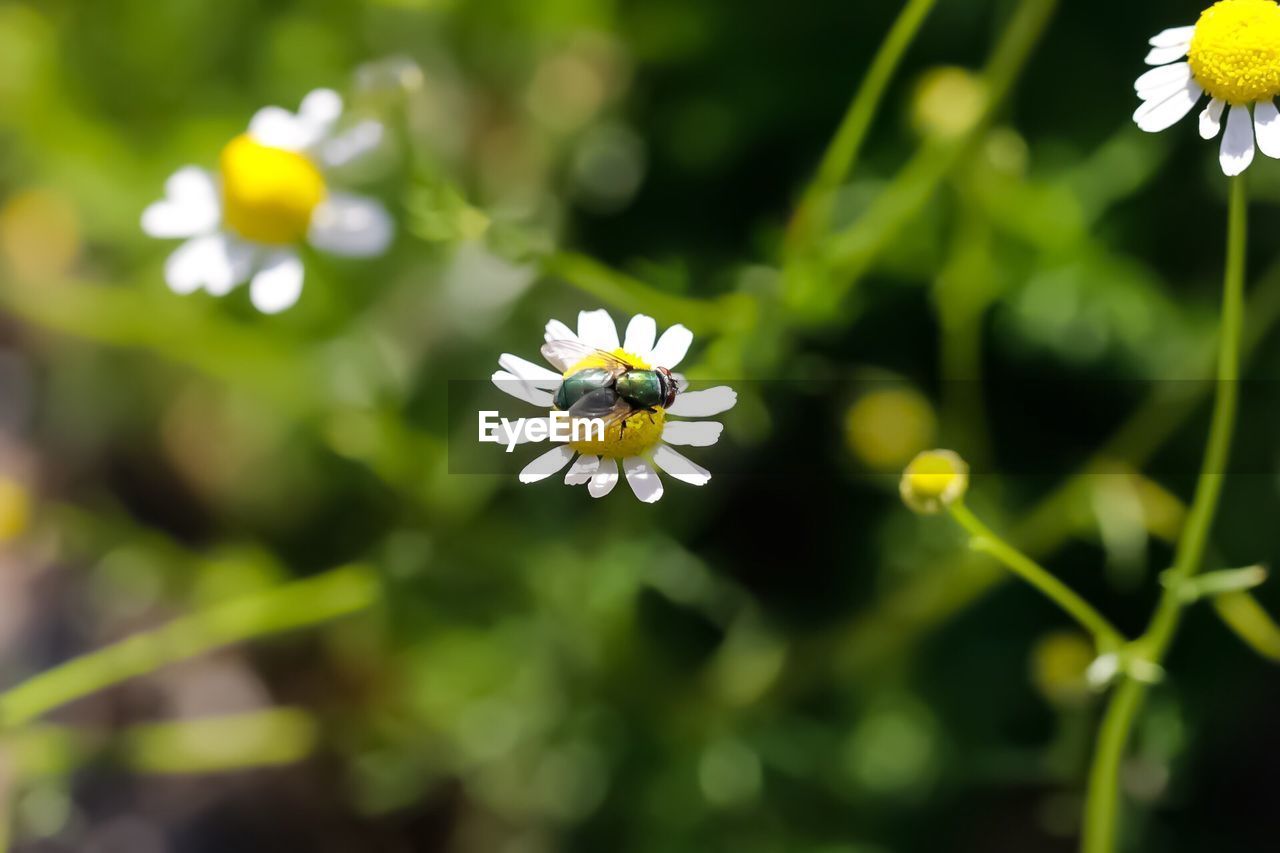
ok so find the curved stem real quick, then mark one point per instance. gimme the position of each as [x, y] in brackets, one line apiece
[297, 604]
[1102, 803]
[841, 155]
[631, 294]
[985, 540]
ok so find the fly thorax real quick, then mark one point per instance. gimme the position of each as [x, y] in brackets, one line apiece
[642, 387]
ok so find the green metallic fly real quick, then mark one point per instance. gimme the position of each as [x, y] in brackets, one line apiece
[612, 391]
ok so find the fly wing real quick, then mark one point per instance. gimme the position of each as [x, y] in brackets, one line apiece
[603, 403]
[565, 354]
[597, 404]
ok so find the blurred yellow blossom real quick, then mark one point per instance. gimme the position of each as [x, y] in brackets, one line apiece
[39, 234]
[1059, 661]
[887, 427]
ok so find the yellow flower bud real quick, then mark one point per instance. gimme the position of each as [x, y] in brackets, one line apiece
[948, 102]
[934, 480]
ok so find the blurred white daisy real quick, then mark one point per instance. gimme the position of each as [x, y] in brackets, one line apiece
[1233, 55]
[642, 442]
[270, 195]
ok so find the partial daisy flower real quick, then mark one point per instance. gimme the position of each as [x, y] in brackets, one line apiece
[641, 442]
[270, 195]
[1233, 55]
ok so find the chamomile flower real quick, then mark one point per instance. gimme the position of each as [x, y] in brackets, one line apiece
[1232, 54]
[642, 442]
[270, 196]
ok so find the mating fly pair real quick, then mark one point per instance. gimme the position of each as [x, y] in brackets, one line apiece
[611, 391]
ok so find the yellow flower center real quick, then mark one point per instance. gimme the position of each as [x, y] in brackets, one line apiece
[268, 194]
[633, 435]
[1235, 51]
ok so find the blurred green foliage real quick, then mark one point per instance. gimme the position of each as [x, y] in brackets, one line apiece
[784, 660]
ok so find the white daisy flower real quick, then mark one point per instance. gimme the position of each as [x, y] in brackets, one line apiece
[641, 442]
[270, 195]
[1232, 54]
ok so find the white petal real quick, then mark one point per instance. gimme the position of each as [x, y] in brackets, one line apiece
[582, 470]
[605, 478]
[692, 433]
[684, 470]
[314, 121]
[702, 404]
[214, 262]
[671, 347]
[547, 464]
[520, 430]
[190, 206]
[1211, 118]
[1266, 127]
[1161, 55]
[1156, 94]
[596, 329]
[278, 284]
[1173, 37]
[520, 389]
[321, 107]
[557, 331]
[642, 479]
[1166, 76]
[352, 144]
[641, 332]
[1159, 114]
[279, 128]
[351, 225]
[682, 383]
[1237, 143]
[535, 374]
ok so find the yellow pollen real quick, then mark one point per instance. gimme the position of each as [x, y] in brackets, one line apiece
[268, 194]
[1235, 51]
[634, 435]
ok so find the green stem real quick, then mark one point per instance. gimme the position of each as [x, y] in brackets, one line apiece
[812, 216]
[905, 615]
[850, 252]
[294, 605]
[631, 294]
[1105, 635]
[1102, 805]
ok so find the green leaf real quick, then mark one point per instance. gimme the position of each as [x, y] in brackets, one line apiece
[1251, 623]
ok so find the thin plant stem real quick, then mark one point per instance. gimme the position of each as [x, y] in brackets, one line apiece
[630, 294]
[985, 540]
[1102, 805]
[850, 252]
[293, 605]
[814, 212]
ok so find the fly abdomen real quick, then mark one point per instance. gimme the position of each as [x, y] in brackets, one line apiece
[579, 384]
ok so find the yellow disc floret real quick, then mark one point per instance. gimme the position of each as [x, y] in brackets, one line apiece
[1235, 52]
[268, 194]
[632, 436]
